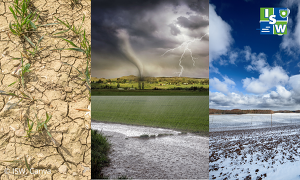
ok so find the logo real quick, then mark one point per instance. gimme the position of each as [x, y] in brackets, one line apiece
[274, 20]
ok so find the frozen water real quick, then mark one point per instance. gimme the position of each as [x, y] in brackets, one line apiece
[251, 121]
[170, 157]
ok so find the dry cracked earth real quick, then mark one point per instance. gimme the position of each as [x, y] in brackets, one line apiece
[56, 90]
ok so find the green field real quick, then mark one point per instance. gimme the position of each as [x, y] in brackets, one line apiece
[115, 92]
[184, 113]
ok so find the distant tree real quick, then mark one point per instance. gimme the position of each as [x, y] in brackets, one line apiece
[118, 85]
[124, 80]
[143, 85]
[139, 83]
[205, 82]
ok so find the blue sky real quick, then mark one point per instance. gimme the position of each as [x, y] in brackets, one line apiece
[249, 70]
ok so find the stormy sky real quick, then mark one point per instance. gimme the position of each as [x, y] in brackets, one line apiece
[151, 28]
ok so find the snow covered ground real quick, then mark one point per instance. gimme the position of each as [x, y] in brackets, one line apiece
[258, 152]
[251, 121]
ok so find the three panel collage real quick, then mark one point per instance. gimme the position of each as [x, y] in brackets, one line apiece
[152, 89]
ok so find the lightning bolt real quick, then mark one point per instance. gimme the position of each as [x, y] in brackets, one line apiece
[186, 48]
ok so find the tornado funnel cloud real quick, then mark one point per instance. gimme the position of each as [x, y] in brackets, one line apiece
[128, 51]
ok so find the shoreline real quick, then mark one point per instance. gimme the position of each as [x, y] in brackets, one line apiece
[264, 129]
[203, 134]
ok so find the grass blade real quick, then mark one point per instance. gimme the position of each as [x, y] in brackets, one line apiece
[45, 126]
[73, 67]
[12, 84]
[15, 16]
[29, 41]
[70, 42]
[26, 68]
[12, 30]
[26, 163]
[50, 24]
[75, 49]
[40, 40]
[60, 32]
[32, 25]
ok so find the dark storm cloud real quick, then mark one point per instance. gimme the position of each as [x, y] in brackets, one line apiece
[193, 22]
[200, 6]
[141, 19]
[107, 16]
[174, 30]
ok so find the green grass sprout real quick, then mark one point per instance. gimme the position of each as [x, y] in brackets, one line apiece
[24, 18]
[24, 96]
[77, 30]
[84, 46]
[30, 127]
[42, 125]
[36, 48]
[26, 163]
[23, 71]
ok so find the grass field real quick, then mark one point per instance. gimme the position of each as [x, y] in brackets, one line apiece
[184, 113]
[114, 92]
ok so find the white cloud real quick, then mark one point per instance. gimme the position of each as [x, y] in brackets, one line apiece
[294, 82]
[232, 100]
[274, 94]
[221, 86]
[228, 81]
[279, 99]
[258, 62]
[220, 38]
[269, 78]
[275, 100]
[247, 51]
[218, 85]
[232, 57]
[282, 92]
[291, 41]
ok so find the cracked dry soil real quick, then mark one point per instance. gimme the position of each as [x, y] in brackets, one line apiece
[59, 94]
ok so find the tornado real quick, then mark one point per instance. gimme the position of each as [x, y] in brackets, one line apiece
[128, 51]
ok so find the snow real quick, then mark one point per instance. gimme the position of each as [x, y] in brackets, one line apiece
[257, 151]
[251, 121]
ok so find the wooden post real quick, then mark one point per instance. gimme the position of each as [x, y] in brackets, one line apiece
[271, 119]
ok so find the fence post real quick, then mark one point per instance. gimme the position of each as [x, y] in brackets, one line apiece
[271, 119]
